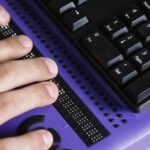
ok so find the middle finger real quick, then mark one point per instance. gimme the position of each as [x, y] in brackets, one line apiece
[20, 72]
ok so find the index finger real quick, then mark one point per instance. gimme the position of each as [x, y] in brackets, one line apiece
[4, 16]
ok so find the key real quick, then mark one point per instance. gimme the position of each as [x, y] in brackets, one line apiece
[123, 73]
[146, 7]
[102, 49]
[129, 44]
[115, 28]
[142, 60]
[143, 32]
[139, 90]
[61, 6]
[74, 20]
[79, 2]
[134, 17]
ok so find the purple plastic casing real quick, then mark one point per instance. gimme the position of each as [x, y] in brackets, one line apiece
[138, 125]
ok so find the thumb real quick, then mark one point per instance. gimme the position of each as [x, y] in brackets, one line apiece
[36, 140]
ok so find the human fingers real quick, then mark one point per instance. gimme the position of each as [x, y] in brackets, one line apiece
[4, 16]
[35, 140]
[25, 99]
[20, 72]
[14, 47]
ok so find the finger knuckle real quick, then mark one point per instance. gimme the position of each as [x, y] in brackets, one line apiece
[6, 71]
[6, 103]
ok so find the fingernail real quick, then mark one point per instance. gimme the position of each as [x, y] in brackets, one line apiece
[3, 14]
[52, 90]
[51, 66]
[25, 41]
[47, 138]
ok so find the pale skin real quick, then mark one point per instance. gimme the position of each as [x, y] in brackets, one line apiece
[15, 73]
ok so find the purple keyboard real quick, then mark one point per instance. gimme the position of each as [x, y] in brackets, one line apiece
[88, 115]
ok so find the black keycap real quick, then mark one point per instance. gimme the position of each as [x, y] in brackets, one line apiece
[61, 6]
[143, 32]
[115, 28]
[56, 136]
[134, 17]
[139, 89]
[142, 60]
[79, 2]
[123, 73]
[146, 7]
[23, 128]
[74, 20]
[129, 44]
[102, 49]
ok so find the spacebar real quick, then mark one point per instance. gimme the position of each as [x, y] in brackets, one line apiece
[139, 89]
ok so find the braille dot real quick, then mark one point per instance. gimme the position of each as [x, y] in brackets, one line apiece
[110, 104]
[92, 97]
[43, 28]
[51, 51]
[22, 17]
[105, 99]
[73, 62]
[56, 56]
[83, 87]
[47, 46]
[96, 88]
[87, 92]
[18, 12]
[64, 52]
[65, 66]
[60, 61]
[87, 78]
[34, 31]
[124, 121]
[114, 110]
[47, 32]
[78, 82]
[111, 120]
[106, 114]
[38, 36]
[116, 125]
[97, 103]
[26, 22]
[91, 83]
[119, 115]
[42, 41]
[74, 77]
[101, 93]
[101, 108]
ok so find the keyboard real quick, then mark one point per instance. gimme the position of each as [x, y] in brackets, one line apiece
[87, 115]
[114, 39]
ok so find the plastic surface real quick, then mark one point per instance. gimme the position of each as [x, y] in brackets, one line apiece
[120, 138]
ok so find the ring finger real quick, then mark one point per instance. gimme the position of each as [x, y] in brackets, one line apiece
[25, 99]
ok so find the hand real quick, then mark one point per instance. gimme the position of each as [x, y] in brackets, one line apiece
[15, 73]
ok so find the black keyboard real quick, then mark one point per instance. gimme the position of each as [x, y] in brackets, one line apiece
[115, 37]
